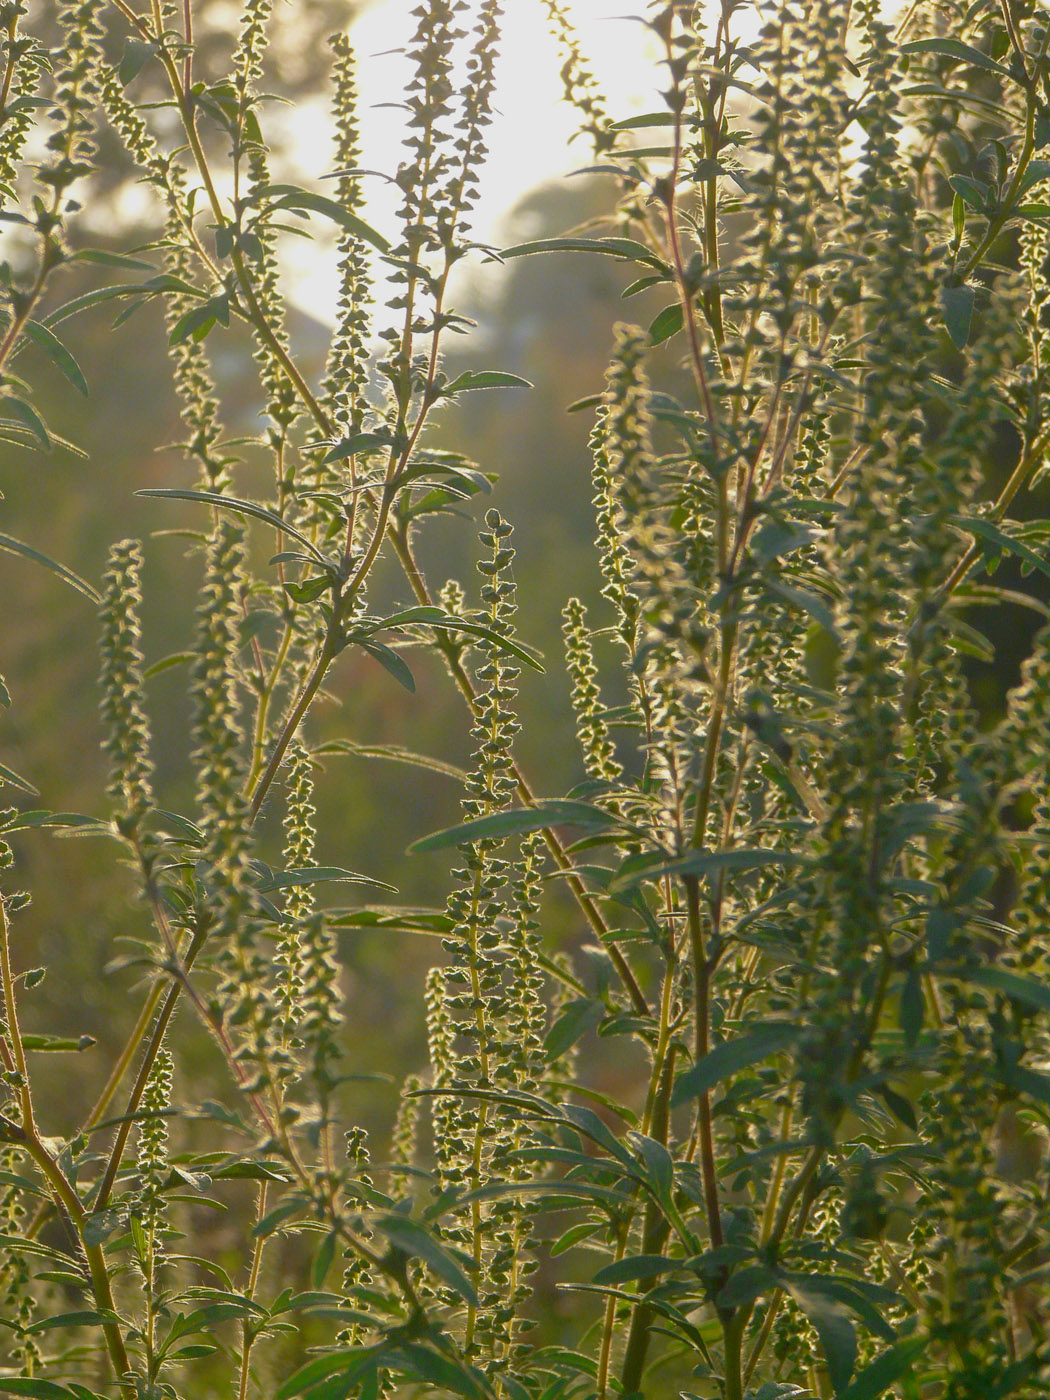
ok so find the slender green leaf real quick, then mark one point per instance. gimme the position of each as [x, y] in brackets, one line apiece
[877, 1377]
[34, 1388]
[745, 1285]
[973, 192]
[14, 546]
[1035, 995]
[58, 1042]
[957, 303]
[395, 664]
[649, 867]
[137, 53]
[27, 415]
[56, 352]
[575, 1019]
[239, 507]
[273, 1219]
[974, 525]
[71, 1319]
[415, 1241]
[395, 753]
[732, 1056]
[638, 1266]
[649, 119]
[958, 217]
[668, 323]
[292, 197]
[831, 1319]
[12, 779]
[430, 616]
[486, 379]
[317, 875]
[955, 48]
[516, 822]
[625, 248]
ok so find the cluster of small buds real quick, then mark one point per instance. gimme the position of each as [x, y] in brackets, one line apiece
[356, 1272]
[423, 178]
[282, 405]
[1026, 738]
[441, 1053]
[518, 1065]
[868, 549]
[1035, 267]
[641, 489]
[581, 89]
[527, 1016]
[218, 726]
[599, 752]
[319, 1012]
[133, 130]
[404, 1139]
[671, 740]
[26, 59]
[972, 1326]
[247, 64]
[192, 376]
[298, 853]
[282, 401]
[562, 1068]
[152, 1162]
[299, 823]
[613, 554]
[804, 110]
[123, 701]
[345, 383]
[244, 994]
[76, 96]
[17, 1299]
[492, 783]
[476, 116]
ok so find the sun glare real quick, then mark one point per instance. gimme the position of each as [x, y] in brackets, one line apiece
[531, 135]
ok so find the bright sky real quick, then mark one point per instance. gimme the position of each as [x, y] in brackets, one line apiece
[529, 141]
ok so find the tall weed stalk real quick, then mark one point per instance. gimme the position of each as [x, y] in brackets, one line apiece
[789, 850]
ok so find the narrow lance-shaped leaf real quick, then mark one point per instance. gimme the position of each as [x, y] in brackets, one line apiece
[14, 546]
[985, 530]
[731, 1056]
[13, 779]
[292, 197]
[57, 353]
[486, 379]
[958, 305]
[239, 507]
[517, 822]
[955, 48]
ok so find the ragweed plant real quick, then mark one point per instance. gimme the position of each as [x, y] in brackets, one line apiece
[811, 886]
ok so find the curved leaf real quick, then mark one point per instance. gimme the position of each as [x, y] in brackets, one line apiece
[624, 248]
[240, 507]
[12, 779]
[486, 379]
[517, 822]
[292, 197]
[955, 48]
[731, 1056]
[46, 340]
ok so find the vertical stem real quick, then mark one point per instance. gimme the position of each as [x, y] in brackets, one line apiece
[701, 1045]
[248, 1336]
[14, 1034]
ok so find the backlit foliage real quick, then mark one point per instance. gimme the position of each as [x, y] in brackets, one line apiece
[811, 888]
